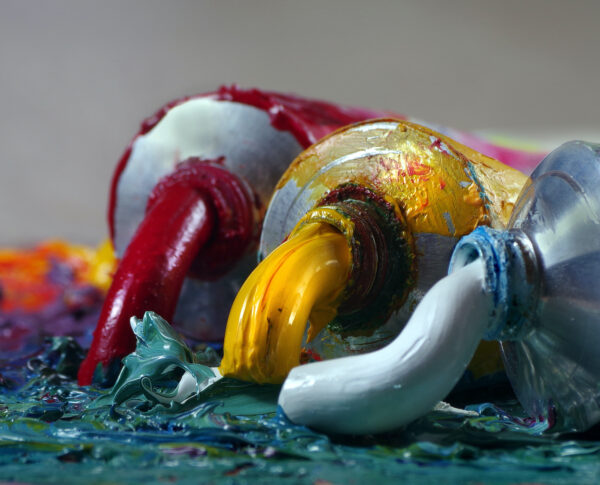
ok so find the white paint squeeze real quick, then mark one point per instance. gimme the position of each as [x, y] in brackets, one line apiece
[391, 387]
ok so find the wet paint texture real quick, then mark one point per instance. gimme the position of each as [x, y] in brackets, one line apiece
[49, 433]
[163, 372]
[301, 280]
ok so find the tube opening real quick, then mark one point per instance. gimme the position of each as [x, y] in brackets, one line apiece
[383, 269]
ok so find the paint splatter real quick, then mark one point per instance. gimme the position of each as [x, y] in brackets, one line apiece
[49, 434]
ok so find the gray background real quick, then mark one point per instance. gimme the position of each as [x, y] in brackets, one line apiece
[76, 78]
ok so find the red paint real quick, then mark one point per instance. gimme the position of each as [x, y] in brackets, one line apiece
[438, 145]
[307, 120]
[309, 355]
[199, 219]
[415, 167]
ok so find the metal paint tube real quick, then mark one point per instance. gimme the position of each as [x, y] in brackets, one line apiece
[532, 286]
[437, 189]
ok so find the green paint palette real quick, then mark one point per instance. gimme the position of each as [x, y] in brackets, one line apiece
[53, 431]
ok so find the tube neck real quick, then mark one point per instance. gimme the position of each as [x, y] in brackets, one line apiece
[512, 277]
[382, 256]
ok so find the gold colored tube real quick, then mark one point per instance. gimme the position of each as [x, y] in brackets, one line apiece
[436, 189]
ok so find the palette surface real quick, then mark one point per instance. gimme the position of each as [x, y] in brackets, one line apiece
[53, 431]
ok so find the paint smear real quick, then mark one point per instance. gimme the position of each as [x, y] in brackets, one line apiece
[54, 288]
[31, 279]
[50, 434]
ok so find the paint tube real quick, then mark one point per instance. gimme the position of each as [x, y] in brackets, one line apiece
[402, 195]
[531, 286]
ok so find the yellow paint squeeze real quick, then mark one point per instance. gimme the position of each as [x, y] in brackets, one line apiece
[303, 279]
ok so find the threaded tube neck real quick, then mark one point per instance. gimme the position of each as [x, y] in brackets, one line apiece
[382, 256]
[511, 277]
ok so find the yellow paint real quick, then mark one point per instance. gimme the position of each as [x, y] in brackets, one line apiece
[102, 264]
[303, 279]
[487, 359]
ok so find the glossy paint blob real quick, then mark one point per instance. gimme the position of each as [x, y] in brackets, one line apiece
[301, 281]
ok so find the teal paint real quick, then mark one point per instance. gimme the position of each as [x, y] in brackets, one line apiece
[50, 433]
[151, 374]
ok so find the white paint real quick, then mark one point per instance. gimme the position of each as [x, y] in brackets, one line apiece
[446, 408]
[391, 387]
[187, 388]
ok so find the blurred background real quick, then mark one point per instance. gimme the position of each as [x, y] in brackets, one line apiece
[77, 77]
